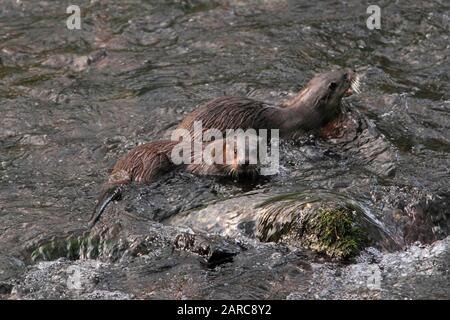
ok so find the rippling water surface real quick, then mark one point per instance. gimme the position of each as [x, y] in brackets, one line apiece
[73, 101]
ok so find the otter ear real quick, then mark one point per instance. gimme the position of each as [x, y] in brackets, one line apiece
[332, 86]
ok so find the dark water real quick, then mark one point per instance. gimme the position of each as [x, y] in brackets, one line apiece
[73, 101]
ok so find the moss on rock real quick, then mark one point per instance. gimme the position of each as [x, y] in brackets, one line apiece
[332, 227]
[71, 248]
[335, 232]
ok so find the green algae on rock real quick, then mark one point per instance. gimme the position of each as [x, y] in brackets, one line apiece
[334, 232]
[72, 248]
[334, 228]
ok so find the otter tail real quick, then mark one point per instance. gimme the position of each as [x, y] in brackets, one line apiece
[109, 194]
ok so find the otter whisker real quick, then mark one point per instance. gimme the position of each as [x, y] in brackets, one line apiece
[355, 84]
[230, 171]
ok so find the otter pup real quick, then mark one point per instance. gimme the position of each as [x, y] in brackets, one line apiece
[148, 162]
[314, 106]
[227, 160]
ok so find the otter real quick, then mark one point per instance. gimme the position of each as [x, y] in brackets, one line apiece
[227, 160]
[148, 162]
[315, 105]
[143, 164]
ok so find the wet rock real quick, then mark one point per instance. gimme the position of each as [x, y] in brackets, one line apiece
[226, 218]
[215, 250]
[412, 274]
[10, 266]
[5, 288]
[108, 295]
[62, 279]
[319, 221]
[415, 214]
[354, 136]
[281, 273]
[340, 230]
[80, 278]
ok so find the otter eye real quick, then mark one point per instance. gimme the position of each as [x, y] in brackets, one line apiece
[332, 86]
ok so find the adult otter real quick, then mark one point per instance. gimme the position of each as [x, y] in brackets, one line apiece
[148, 162]
[314, 106]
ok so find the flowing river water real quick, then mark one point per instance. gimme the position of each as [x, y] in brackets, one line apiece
[73, 101]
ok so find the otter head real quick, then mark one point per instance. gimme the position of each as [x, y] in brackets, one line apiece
[326, 90]
[235, 157]
[245, 157]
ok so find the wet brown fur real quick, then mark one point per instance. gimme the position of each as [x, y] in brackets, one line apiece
[144, 163]
[314, 106]
[229, 113]
[148, 162]
[237, 168]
